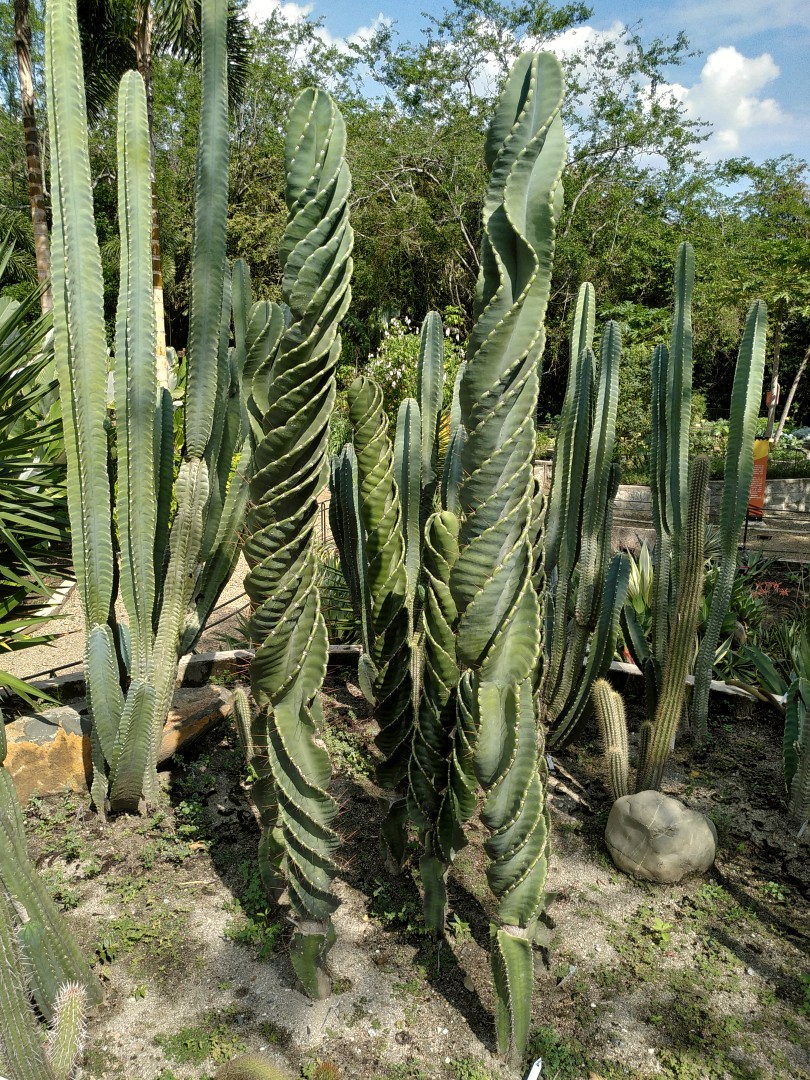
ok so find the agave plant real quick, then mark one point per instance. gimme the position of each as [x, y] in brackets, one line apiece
[169, 577]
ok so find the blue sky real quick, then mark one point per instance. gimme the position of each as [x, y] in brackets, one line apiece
[751, 80]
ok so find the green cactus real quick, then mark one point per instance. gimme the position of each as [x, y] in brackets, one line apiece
[669, 474]
[291, 397]
[166, 588]
[655, 751]
[739, 469]
[39, 959]
[657, 735]
[572, 545]
[612, 721]
[382, 496]
[796, 744]
[498, 630]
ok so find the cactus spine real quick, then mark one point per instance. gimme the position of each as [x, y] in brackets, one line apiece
[162, 590]
[292, 393]
[498, 631]
[612, 721]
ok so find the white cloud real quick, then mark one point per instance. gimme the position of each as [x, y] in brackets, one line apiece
[743, 17]
[260, 10]
[728, 96]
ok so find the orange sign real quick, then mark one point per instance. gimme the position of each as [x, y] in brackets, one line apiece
[756, 499]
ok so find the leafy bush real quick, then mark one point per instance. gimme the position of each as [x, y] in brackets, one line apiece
[393, 367]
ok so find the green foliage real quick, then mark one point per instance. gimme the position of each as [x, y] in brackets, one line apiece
[394, 367]
[210, 1040]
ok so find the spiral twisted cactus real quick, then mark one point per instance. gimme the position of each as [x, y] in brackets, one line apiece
[498, 631]
[167, 587]
[291, 396]
[432, 738]
[389, 647]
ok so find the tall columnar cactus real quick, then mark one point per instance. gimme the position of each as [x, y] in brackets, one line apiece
[669, 477]
[166, 588]
[429, 771]
[578, 577]
[671, 411]
[498, 630]
[657, 735]
[291, 396]
[739, 469]
[39, 958]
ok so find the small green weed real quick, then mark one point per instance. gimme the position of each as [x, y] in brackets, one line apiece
[212, 1039]
[469, 1069]
[773, 892]
[562, 1060]
[257, 923]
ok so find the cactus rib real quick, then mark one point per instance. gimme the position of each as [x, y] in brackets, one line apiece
[290, 403]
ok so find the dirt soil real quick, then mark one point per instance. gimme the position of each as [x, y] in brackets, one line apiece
[707, 978]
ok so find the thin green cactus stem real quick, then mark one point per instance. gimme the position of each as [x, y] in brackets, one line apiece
[67, 1033]
[21, 1046]
[498, 633]
[291, 400]
[435, 719]
[797, 750]
[612, 721]
[682, 635]
[739, 467]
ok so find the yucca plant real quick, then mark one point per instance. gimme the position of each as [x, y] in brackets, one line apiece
[787, 686]
[168, 578]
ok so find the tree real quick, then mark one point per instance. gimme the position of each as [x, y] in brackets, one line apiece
[36, 186]
[117, 35]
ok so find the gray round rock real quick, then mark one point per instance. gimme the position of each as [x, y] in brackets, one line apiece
[652, 836]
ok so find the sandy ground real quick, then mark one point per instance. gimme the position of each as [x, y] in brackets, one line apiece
[64, 653]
